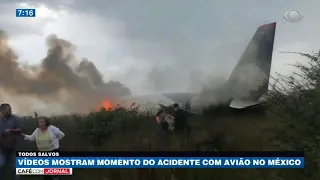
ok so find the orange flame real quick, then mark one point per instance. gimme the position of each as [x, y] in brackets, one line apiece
[106, 104]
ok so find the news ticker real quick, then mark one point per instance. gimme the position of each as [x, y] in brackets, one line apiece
[43, 171]
[160, 154]
[159, 162]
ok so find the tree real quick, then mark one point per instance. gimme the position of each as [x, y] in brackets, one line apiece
[295, 100]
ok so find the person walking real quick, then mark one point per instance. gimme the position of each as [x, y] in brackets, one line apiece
[47, 138]
[10, 129]
[180, 126]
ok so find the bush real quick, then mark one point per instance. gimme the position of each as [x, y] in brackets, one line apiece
[98, 127]
[295, 100]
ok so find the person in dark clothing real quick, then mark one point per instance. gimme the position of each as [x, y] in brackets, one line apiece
[180, 125]
[180, 119]
[10, 129]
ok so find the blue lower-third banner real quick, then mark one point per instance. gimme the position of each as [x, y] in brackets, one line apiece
[163, 162]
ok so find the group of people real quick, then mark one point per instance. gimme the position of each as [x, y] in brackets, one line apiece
[46, 136]
[171, 119]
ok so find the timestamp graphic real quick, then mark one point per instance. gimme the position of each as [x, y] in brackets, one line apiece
[25, 12]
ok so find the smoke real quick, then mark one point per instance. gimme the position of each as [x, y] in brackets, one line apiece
[213, 92]
[59, 79]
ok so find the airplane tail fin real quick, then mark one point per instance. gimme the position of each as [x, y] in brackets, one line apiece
[250, 78]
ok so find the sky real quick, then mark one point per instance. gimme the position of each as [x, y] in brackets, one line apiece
[161, 46]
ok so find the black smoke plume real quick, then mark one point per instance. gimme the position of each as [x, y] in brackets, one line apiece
[59, 78]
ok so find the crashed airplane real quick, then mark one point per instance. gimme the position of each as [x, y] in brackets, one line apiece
[245, 87]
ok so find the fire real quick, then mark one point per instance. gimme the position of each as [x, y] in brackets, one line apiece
[106, 104]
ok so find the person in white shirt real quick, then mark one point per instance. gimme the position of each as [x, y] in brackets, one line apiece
[46, 136]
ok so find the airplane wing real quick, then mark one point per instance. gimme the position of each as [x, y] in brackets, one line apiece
[186, 110]
[163, 105]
